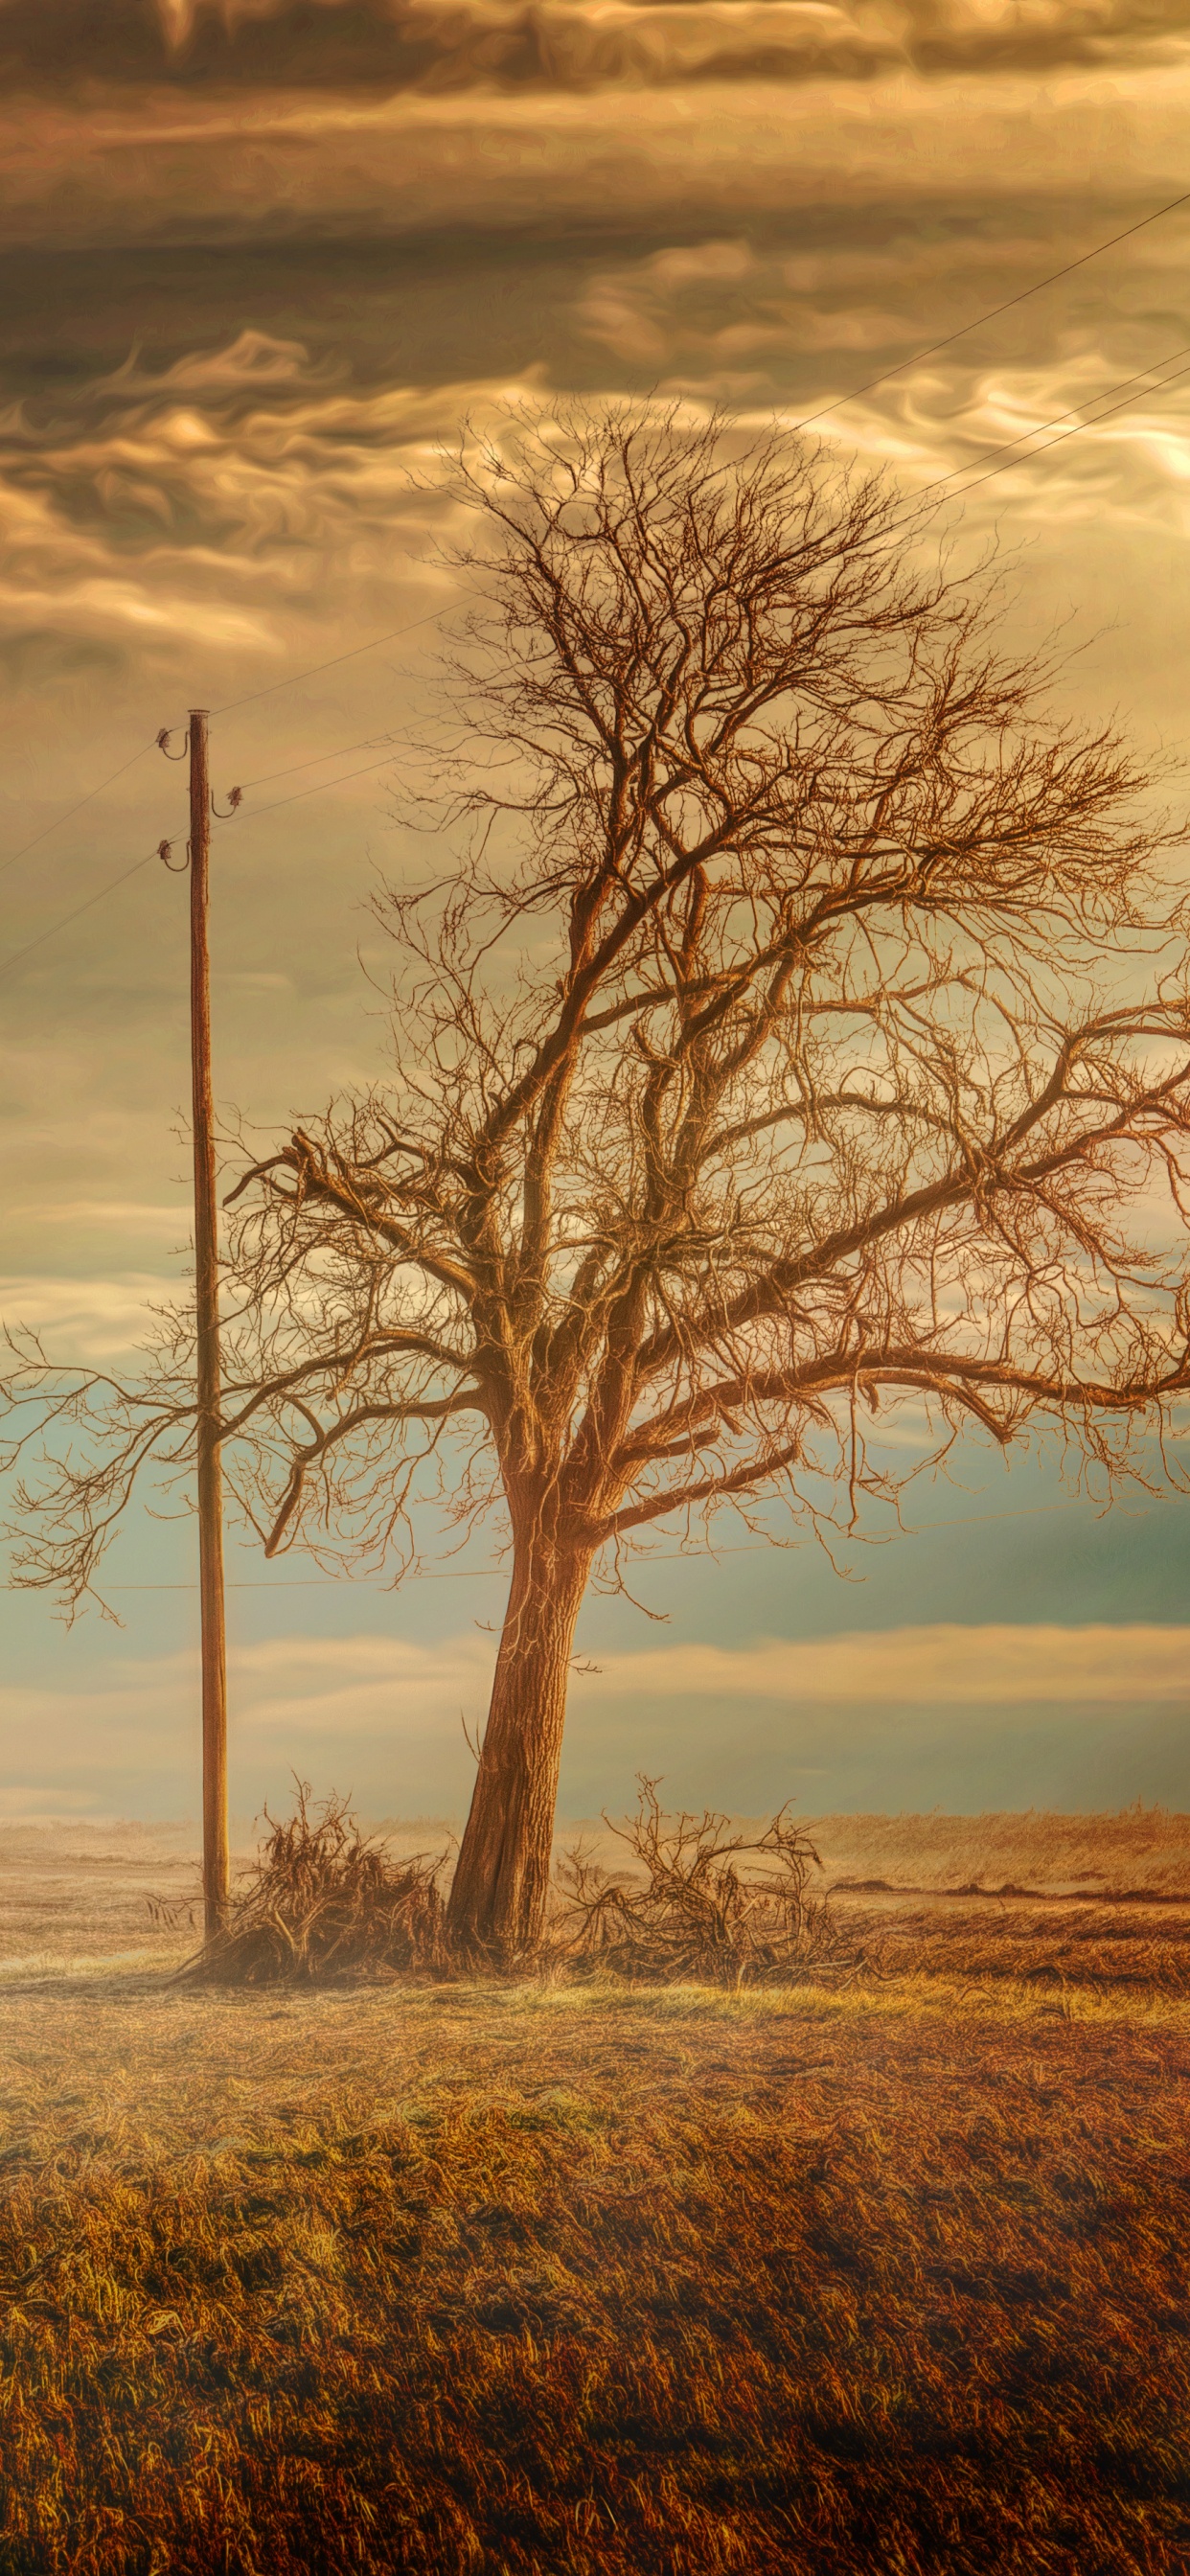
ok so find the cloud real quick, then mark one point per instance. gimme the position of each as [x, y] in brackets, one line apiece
[85, 1319]
[227, 507]
[326, 1687]
[329, 1709]
[936, 1666]
[252, 363]
[230, 506]
[233, 501]
[318, 1685]
[722, 304]
[322, 1687]
[615, 44]
[178, 169]
[560, 44]
[147, 1218]
[171, 528]
[732, 319]
[912, 1711]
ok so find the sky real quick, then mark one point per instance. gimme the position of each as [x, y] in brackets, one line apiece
[257, 264]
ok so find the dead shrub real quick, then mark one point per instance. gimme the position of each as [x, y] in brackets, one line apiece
[325, 1904]
[710, 1905]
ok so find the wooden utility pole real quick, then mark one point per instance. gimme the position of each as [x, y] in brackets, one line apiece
[206, 1265]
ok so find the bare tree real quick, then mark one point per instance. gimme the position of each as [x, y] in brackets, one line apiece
[804, 1032]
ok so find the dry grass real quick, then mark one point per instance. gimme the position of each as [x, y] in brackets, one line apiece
[882, 2279]
[1140, 1847]
[1059, 1947]
[696, 1900]
[325, 1902]
[69, 1891]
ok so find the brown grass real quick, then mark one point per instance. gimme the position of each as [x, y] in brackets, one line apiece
[1141, 1846]
[884, 2277]
[695, 1901]
[325, 1902]
[69, 1891]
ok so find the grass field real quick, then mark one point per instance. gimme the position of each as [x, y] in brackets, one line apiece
[886, 2274]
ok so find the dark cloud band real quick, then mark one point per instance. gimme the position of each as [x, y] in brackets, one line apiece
[386, 45]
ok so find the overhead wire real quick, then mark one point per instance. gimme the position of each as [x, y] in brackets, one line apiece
[392, 634]
[995, 310]
[1039, 427]
[1108, 414]
[1006, 452]
[321, 787]
[19, 954]
[293, 679]
[72, 810]
[663, 1556]
[340, 753]
[326, 786]
[1103, 411]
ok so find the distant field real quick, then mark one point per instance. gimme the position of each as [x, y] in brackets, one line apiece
[880, 2277]
[74, 1891]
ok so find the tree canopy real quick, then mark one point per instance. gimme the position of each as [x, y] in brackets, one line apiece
[799, 1028]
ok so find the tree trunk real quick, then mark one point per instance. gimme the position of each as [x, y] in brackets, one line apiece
[498, 1899]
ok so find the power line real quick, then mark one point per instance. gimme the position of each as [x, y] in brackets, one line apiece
[368, 744]
[994, 311]
[668, 1556]
[295, 677]
[322, 787]
[1068, 414]
[1174, 379]
[7, 963]
[1105, 411]
[870, 386]
[72, 810]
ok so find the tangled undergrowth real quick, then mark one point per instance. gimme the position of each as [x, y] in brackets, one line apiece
[325, 1904]
[701, 1903]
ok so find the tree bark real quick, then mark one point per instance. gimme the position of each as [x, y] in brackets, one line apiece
[501, 1884]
